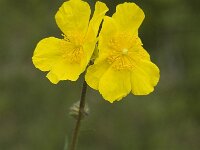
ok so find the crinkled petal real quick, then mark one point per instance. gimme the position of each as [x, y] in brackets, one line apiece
[50, 55]
[115, 84]
[144, 77]
[64, 70]
[94, 74]
[47, 53]
[73, 15]
[129, 17]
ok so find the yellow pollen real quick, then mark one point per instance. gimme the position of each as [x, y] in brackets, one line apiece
[72, 48]
[74, 55]
[121, 61]
[122, 55]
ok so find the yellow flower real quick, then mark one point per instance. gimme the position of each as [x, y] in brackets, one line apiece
[67, 58]
[123, 66]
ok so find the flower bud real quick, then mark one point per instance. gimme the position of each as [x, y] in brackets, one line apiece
[74, 110]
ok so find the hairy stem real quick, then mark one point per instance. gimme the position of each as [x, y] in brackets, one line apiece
[80, 115]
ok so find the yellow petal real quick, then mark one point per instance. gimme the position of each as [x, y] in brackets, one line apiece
[144, 77]
[99, 13]
[109, 29]
[64, 70]
[47, 53]
[94, 74]
[115, 84]
[129, 17]
[73, 15]
[139, 53]
[91, 37]
[88, 49]
[144, 54]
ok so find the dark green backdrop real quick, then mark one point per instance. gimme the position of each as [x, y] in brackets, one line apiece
[34, 113]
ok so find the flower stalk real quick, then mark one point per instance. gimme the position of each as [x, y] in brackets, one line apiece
[80, 116]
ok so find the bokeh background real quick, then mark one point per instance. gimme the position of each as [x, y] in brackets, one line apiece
[34, 112]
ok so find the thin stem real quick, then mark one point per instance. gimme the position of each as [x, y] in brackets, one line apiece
[80, 114]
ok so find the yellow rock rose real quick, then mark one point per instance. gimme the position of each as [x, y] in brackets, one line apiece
[67, 58]
[123, 65]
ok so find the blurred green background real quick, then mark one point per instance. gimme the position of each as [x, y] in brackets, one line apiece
[34, 112]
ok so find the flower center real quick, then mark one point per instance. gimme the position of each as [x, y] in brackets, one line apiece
[121, 51]
[125, 51]
[72, 47]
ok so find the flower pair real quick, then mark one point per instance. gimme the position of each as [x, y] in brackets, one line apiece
[121, 66]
